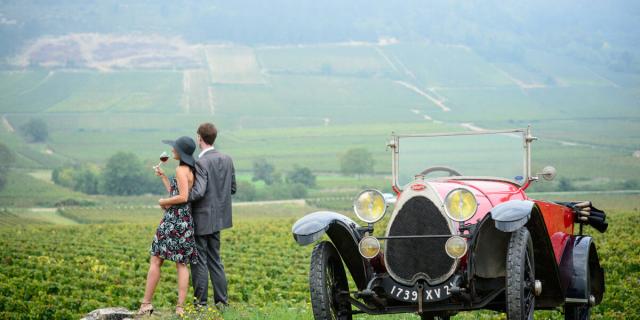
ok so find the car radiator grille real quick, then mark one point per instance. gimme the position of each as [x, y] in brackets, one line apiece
[407, 258]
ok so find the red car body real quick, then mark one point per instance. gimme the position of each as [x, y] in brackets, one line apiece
[559, 219]
[519, 253]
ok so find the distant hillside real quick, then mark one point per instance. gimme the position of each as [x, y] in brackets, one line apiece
[302, 82]
[600, 32]
[308, 104]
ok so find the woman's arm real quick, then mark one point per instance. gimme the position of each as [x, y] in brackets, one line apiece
[182, 175]
[164, 179]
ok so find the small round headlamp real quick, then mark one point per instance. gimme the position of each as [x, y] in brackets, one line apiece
[370, 206]
[460, 205]
[456, 247]
[369, 247]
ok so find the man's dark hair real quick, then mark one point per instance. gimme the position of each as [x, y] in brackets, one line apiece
[208, 132]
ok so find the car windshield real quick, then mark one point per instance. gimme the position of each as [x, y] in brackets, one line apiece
[484, 154]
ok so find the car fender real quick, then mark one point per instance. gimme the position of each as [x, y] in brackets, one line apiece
[511, 215]
[343, 233]
[581, 271]
[489, 248]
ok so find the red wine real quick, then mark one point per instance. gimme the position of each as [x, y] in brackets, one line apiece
[164, 158]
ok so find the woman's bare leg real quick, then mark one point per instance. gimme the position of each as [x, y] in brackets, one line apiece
[183, 282]
[152, 278]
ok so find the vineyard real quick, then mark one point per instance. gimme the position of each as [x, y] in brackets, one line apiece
[61, 272]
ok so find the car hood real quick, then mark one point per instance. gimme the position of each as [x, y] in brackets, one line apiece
[489, 192]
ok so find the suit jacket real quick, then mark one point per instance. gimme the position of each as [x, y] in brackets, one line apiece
[210, 196]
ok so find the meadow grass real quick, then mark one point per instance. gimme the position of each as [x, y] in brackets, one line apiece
[23, 190]
[327, 60]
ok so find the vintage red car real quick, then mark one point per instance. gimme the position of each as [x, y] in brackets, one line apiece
[459, 238]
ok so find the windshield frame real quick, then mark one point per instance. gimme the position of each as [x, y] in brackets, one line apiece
[527, 138]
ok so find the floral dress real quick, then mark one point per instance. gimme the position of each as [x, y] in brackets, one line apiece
[174, 237]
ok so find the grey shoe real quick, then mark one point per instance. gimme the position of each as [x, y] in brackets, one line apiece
[221, 306]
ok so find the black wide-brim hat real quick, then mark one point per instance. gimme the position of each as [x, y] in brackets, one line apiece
[185, 146]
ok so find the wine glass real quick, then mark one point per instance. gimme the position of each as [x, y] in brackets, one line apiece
[164, 157]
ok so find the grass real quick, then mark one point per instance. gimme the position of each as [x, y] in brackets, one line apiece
[229, 65]
[327, 60]
[45, 215]
[103, 259]
[433, 65]
[62, 91]
[306, 105]
[23, 190]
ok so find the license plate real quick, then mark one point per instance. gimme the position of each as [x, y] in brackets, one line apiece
[429, 294]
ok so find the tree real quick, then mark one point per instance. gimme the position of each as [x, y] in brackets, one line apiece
[356, 162]
[63, 176]
[246, 191]
[565, 184]
[35, 130]
[123, 175]
[265, 171]
[6, 160]
[302, 175]
[86, 179]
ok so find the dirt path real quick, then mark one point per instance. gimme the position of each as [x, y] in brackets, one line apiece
[186, 91]
[523, 85]
[212, 109]
[435, 101]
[607, 80]
[7, 125]
[49, 215]
[41, 82]
[300, 202]
[386, 58]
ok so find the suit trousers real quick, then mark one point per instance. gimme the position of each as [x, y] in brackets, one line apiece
[209, 266]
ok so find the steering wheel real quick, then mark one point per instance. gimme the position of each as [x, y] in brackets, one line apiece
[452, 172]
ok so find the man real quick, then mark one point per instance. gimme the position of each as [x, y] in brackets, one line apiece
[210, 200]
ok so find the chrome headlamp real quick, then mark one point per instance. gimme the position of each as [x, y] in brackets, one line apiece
[460, 205]
[456, 247]
[369, 247]
[370, 206]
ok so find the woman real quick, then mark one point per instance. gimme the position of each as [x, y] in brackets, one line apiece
[174, 237]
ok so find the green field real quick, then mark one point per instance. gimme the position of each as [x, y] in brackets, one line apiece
[307, 105]
[67, 270]
[68, 253]
[296, 86]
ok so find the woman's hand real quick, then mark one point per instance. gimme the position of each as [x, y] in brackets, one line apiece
[183, 189]
[159, 172]
[163, 204]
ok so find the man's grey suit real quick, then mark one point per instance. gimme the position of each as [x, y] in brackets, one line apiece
[210, 200]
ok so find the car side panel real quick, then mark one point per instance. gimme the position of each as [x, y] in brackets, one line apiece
[559, 222]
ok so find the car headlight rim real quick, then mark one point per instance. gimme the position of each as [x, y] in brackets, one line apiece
[464, 217]
[376, 199]
[373, 242]
[448, 247]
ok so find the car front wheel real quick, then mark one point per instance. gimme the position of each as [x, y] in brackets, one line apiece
[520, 280]
[432, 316]
[327, 279]
[574, 311]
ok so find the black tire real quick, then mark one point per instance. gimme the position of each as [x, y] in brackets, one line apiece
[579, 311]
[326, 279]
[432, 316]
[520, 279]
[574, 311]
